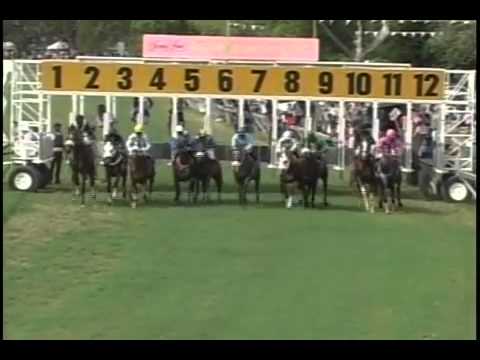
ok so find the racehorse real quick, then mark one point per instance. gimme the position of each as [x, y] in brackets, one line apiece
[314, 169]
[203, 170]
[142, 172]
[115, 163]
[247, 170]
[183, 172]
[389, 179]
[291, 177]
[363, 175]
[81, 155]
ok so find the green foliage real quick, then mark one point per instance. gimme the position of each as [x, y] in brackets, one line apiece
[453, 48]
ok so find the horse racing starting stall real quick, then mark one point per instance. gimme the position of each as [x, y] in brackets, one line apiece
[312, 83]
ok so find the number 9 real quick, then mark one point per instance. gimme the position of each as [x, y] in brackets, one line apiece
[325, 82]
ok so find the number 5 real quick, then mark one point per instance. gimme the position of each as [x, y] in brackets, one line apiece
[192, 80]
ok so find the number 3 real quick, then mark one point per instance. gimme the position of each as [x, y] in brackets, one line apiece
[126, 74]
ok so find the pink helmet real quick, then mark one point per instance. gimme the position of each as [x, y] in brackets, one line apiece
[391, 133]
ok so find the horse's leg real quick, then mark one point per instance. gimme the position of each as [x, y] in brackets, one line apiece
[219, 182]
[306, 192]
[76, 182]
[257, 188]
[92, 186]
[177, 190]
[325, 189]
[391, 191]
[364, 196]
[133, 194]
[109, 187]
[314, 192]
[82, 191]
[399, 198]
[204, 188]
[371, 201]
[289, 195]
[196, 190]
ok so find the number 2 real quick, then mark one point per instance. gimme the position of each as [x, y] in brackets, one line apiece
[95, 72]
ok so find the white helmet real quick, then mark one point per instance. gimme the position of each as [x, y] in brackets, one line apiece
[179, 128]
[289, 134]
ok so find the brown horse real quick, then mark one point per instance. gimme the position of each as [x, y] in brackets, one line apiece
[314, 168]
[183, 172]
[389, 179]
[115, 163]
[363, 175]
[248, 169]
[142, 172]
[81, 155]
[203, 170]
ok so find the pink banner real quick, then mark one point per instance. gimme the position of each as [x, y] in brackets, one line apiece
[230, 48]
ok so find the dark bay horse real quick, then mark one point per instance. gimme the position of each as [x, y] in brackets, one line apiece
[246, 171]
[310, 159]
[363, 175]
[389, 178]
[81, 155]
[142, 172]
[183, 172]
[205, 169]
[115, 163]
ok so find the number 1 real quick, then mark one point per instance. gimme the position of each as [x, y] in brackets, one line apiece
[57, 76]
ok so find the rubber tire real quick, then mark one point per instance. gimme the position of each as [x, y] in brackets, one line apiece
[30, 170]
[44, 175]
[448, 183]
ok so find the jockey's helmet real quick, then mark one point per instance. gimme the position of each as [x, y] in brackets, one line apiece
[391, 134]
[138, 128]
[79, 119]
[289, 134]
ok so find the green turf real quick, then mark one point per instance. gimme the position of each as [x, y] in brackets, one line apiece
[226, 272]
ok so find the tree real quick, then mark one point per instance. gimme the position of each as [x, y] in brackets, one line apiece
[455, 48]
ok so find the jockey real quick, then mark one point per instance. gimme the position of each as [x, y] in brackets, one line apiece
[116, 139]
[390, 144]
[242, 140]
[205, 143]
[82, 125]
[138, 141]
[315, 145]
[181, 143]
[288, 141]
[363, 132]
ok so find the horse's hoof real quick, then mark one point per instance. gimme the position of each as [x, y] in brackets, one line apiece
[326, 204]
[134, 206]
[400, 205]
[82, 205]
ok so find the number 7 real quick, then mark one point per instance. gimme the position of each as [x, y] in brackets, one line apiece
[261, 76]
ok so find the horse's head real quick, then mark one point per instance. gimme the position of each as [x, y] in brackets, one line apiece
[284, 161]
[200, 156]
[364, 151]
[307, 153]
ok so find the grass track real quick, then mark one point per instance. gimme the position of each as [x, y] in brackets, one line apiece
[226, 272]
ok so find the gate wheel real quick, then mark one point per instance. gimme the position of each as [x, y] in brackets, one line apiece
[456, 190]
[24, 178]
